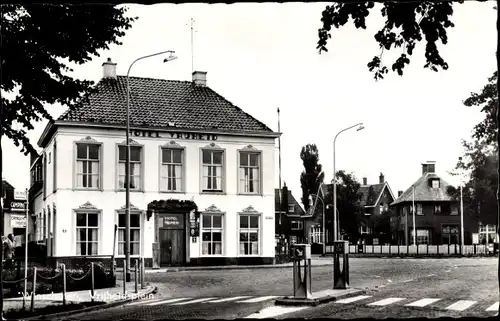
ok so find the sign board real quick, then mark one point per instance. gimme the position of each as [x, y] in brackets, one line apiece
[18, 206]
[172, 135]
[19, 195]
[17, 221]
[194, 224]
[340, 247]
[171, 221]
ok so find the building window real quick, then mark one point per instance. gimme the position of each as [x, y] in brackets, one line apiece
[213, 167]
[212, 234]
[171, 169]
[296, 225]
[381, 208]
[435, 183]
[450, 234]
[437, 209]
[315, 234]
[291, 208]
[135, 167]
[293, 239]
[87, 233]
[249, 234]
[135, 233]
[454, 210]
[419, 209]
[87, 166]
[422, 236]
[364, 229]
[405, 211]
[249, 173]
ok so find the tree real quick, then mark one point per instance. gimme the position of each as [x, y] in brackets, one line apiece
[348, 204]
[312, 177]
[405, 22]
[37, 41]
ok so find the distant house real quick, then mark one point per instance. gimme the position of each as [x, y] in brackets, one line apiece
[437, 216]
[375, 201]
[288, 221]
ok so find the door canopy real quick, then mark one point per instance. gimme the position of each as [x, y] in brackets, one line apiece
[171, 206]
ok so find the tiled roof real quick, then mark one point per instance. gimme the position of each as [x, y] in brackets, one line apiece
[291, 200]
[369, 194]
[424, 192]
[158, 103]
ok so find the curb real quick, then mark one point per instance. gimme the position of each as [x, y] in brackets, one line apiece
[153, 289]
[236, 267]
[315, 302]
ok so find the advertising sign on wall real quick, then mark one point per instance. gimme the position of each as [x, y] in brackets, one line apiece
[17, 221]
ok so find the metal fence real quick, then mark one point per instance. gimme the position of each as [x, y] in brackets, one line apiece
[421, 249]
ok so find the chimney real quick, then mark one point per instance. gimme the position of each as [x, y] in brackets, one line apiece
[428, 167]
[365, 181]
[200, 78]
[381, 178]
[109, 69]
[400, 193]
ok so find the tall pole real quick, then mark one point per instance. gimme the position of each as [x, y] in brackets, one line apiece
[279, 174]
[335, 180]
[127, 166]
[26, 249]
[461, 218]
[414, 220]
[192, 47]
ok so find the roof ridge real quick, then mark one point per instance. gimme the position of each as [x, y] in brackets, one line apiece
[151, 78]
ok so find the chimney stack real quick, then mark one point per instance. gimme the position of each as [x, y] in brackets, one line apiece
[400, 193]
[365, 181]
[200, 78]
[381, 178]
[109, 69]
[428, 167]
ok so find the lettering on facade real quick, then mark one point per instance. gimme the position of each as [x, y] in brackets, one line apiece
[17, 206]
[17, 221]
[172, 221]
[157, 134]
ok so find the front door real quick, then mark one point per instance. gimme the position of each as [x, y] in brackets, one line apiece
[171, 247]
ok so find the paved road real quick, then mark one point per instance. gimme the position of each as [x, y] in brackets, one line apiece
[239, 293]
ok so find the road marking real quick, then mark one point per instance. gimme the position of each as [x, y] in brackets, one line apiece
[422, 302]
[408, 280]
[229, 299]
[461, 305]
[258, 299]
[386, 301]
[431, 275]
[448, 271]
[354, 299]
[274, 311]
[139, 302]
[167, 301]
[194, 301]
[493, 307]
[390, 281]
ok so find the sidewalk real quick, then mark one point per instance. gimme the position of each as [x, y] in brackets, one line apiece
[106, 295]
[315, 261]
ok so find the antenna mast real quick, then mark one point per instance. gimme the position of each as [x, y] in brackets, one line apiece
[192, 46]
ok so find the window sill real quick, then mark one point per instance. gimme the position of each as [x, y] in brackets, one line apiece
[131, 190]
[212, 255]
[249, 194]
[171, 192]
[80, 189]
[249, 255]
[212, 193]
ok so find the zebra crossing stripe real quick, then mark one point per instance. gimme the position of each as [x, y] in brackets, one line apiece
[139, 302]
[386, 301]
[493, 307]
[194, 301]
[461, 305]
[167, 301]
[354, 299]
[258, 299]
[229, 299]
[422, 302]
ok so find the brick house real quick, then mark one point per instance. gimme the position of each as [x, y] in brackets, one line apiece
[437, 215]
[290, 223]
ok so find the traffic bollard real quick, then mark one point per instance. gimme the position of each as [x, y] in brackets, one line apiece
[135, 276]
[64, 283]
[143, 273]
[92, 284]
[33, 291]
[124, 279]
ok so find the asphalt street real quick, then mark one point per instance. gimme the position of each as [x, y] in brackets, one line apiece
[231, 294]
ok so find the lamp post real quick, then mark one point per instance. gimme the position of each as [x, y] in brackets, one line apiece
[360, 127]
[127, 164]
[414, 220]
[462, 243]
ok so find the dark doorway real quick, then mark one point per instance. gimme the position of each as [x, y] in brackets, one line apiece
[172, 247]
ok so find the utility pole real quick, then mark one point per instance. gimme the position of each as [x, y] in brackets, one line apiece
[279, 174]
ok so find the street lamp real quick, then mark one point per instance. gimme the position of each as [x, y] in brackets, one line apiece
[462, 243]
[360, 127]
[127, 163]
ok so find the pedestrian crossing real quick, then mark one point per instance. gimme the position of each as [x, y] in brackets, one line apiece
[459, 305]
[207, 300]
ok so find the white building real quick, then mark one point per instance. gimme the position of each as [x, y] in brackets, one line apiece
[192, 152]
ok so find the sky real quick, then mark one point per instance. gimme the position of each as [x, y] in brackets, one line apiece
[261, 56]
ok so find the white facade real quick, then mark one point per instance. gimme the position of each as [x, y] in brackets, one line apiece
[98, 198]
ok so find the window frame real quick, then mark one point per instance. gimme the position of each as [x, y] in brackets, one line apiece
[438, 183]
[133, 211]
[99, 229]
[132, 143]
[292, 207]
[420, 209]
[87, 141]
[300, 225]
[214, 148]
[436, 206]
[222, 229]
[248, 230]
[172, 146]
[428, 236]
[250, 150]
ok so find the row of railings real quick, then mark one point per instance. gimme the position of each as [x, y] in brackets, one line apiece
[422, 249]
